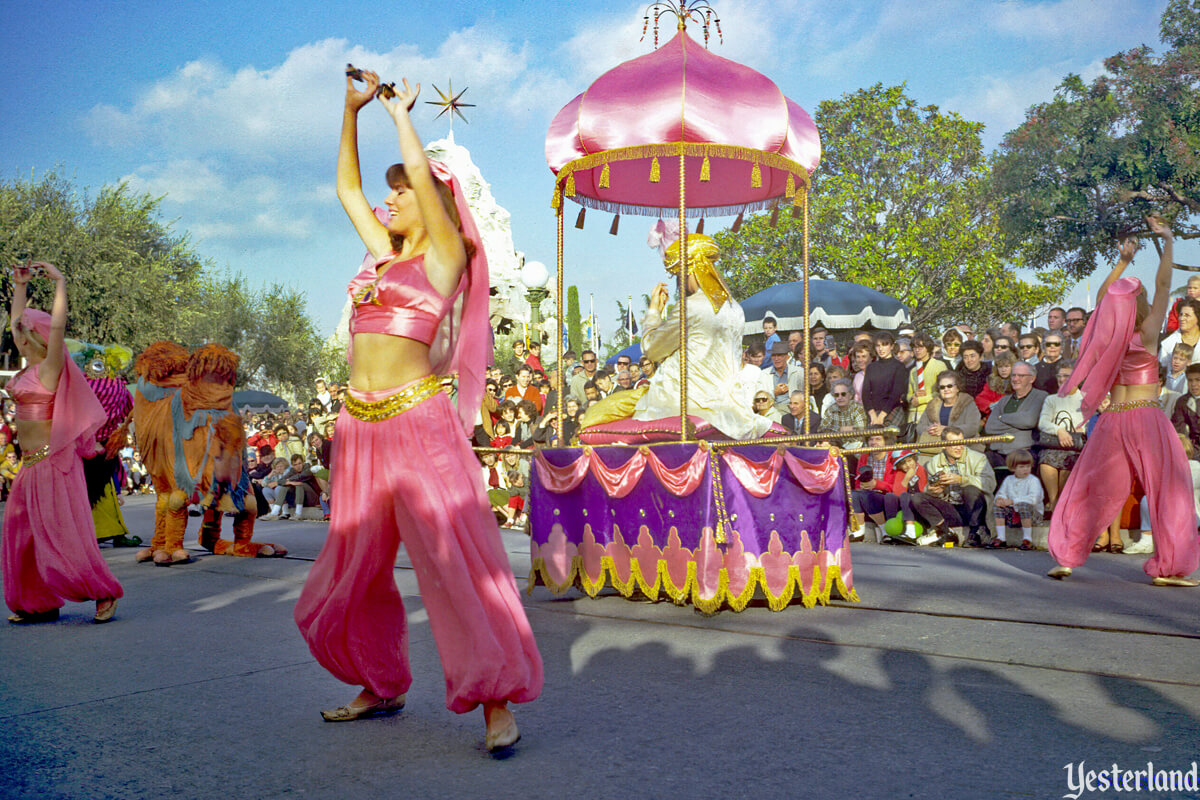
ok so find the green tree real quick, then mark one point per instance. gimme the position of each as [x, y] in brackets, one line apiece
[898, 204]
[1085, 168]
[574, 322]
[130, 279]
[133, 281]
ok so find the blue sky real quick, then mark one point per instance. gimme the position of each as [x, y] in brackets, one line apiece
[231, 110]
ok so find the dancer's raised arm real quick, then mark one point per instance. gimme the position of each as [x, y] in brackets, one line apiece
[52, 366]
[445, 241]
[1129, 247]
[349, 175]
[1162, 280]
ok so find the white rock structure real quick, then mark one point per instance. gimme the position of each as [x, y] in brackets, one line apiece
[495, 228]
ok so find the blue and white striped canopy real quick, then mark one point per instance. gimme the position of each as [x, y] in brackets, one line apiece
[836, 305]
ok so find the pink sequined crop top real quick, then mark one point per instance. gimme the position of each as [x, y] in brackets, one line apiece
[34, 401]
[401, 302]
[1138, 365]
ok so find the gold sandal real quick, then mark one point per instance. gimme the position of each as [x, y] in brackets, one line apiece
[106, 614]
[384, 706]
[34, 617]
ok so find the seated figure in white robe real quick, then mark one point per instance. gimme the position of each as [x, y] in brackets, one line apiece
[717, 391]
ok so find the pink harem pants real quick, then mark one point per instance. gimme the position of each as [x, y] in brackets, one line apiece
[1140, 442]
[414, 478]
[49, 553]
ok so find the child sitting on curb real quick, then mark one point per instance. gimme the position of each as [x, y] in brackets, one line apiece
[1019, 495]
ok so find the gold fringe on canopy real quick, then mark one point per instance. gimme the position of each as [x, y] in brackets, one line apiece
[705, 150]
[689, 592]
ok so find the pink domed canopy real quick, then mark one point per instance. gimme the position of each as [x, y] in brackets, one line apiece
[745, 145]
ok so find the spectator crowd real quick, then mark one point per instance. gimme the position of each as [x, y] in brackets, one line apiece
[917, 487]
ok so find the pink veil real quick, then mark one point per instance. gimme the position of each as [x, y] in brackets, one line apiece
[463, 343]
[77, 412]
[1104, 343]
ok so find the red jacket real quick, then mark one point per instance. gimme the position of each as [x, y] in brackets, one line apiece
[984, 400]
[1173, 317]
[895, 478]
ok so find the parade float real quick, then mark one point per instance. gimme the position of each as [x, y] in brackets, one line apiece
[671, 508]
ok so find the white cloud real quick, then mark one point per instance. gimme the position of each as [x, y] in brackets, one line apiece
[218, 207]
[1074, 20]
[1000, 101]
[292, 109]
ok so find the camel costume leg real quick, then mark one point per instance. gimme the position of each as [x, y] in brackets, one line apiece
[158, 542]
[174, 528]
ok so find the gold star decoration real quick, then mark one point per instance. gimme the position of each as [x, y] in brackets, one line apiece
[450, 102]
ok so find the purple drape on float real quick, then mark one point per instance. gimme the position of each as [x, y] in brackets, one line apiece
[792, 539]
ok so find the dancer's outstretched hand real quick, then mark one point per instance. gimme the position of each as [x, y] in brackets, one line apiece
[49, 270]
[1129, 248]
[357, 98]
[1158, 227]
[405, 98]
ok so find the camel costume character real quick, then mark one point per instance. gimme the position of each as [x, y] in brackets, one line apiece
[193, 446]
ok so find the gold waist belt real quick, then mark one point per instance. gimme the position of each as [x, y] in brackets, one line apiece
[408, 397]
[29, 459]
[1132, 404]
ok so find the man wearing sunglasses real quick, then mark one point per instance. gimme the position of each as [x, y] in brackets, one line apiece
[588, 359]
[845, 414]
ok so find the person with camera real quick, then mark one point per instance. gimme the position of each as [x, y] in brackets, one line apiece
[961, 479]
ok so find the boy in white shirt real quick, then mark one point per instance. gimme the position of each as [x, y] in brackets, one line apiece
[1021, 493]
[1176, 380]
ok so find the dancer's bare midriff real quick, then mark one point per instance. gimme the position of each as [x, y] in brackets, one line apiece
[1132, 392]
[382, 361]
[33, 434]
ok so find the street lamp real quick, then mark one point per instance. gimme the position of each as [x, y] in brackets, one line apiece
[535, 276]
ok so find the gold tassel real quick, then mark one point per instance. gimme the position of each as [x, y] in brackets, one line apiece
[705, 171]
[571, 185]
[604, 177]
[579, 219]
[756, 177]
[737, 223]
[700, 226]
[791, 185]
[556, 201]
[613, 228]
[655, 174]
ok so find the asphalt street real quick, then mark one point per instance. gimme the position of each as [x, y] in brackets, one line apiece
[961, 674]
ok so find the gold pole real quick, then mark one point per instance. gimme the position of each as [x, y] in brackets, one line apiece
[803, 438]
[521, 451]
[807, 347]
[561, 388]
[683, 297]
[930, 445]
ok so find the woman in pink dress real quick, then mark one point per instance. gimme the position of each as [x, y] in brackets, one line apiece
[1133, 436]
[405, 469]
[49, 553]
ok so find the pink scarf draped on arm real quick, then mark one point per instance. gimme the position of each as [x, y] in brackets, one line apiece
[1103, 345]
[463, 341]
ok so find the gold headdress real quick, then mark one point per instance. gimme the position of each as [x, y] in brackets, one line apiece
[702, 254]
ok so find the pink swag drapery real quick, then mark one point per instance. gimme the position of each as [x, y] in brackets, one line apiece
[758, 478]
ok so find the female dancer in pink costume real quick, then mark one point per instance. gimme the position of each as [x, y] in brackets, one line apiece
[1133, 436]
[49, 553]
[405, 469]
